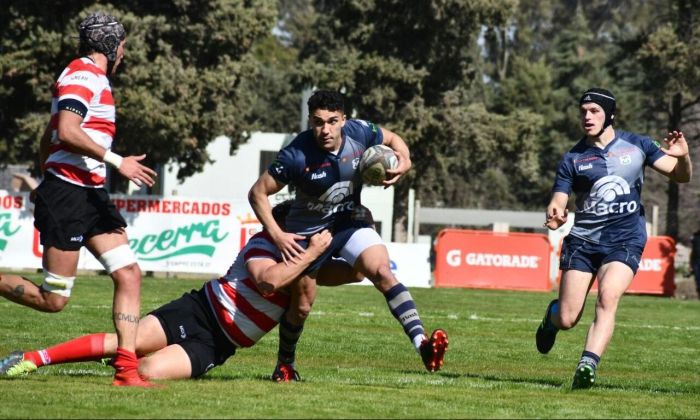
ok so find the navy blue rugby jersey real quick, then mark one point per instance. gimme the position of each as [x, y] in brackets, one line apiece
[327, 185]
[608, 185]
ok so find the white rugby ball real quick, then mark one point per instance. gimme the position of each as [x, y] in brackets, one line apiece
[374, 163]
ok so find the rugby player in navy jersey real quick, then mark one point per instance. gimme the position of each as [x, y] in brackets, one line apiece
[605, 171]
[322, 166]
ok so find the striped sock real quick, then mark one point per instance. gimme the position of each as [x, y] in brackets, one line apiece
[404, 310]
[589, 358]
[289, 336]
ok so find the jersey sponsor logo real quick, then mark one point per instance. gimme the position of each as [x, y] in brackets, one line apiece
[318, 175]
[334, 200]
[585, 167]
[78, 238]
[454, 259]
[603, 199]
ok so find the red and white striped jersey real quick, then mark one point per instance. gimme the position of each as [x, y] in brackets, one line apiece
[83, 81]
[243, 312]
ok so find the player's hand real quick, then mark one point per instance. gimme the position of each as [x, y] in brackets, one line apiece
[393, 175]
[320, 241]
[676, 145]
[136, 172]
[555, 218]
[287, 244]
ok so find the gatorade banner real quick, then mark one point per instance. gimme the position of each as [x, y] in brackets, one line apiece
[484, 259]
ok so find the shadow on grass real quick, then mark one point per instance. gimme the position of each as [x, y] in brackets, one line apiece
[566, 385]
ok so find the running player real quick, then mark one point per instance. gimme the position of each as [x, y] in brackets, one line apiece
[72, 207]
[605, 170]
[322, 165]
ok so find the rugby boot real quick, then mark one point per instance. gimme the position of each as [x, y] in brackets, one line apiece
[584, 377]
[285, 372]
[432, 350]
[14, 365]
[546, 332]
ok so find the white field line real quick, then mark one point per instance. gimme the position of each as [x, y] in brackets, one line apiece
[474, 317]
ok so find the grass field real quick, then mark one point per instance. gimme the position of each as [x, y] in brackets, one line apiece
[357, 363]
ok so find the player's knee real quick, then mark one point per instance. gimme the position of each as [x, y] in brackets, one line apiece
[54, 303]
[148, 369]
[607, 302]
[568, 320]
[383, 278]
[303, 311]
[121, 262]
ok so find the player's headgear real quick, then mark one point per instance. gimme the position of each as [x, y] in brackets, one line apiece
[605, 99]
[102, 33]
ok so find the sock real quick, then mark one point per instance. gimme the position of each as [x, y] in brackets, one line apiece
[81, 349]
[126, 362]
[554, 309]
[589, 358]
[404, 310]
[289, 336]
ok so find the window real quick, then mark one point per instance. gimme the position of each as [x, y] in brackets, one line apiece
[266, 159]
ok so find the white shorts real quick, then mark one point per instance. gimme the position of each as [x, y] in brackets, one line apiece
[359, 241]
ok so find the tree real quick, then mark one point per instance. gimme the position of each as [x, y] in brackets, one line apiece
[186, 78]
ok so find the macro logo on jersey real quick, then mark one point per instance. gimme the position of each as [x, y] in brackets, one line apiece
[605, 195]
[334, 200]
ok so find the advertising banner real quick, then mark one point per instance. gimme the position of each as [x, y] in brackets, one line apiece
[484, 259]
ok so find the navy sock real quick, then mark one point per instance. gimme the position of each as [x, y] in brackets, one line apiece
[589, 358]
[289, 336]
[404, 310]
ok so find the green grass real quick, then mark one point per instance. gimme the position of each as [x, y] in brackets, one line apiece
[356, 362]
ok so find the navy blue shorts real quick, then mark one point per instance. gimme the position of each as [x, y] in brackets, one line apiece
[581, 255]
[342, 230]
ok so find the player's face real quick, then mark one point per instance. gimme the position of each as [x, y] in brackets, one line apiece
[120, 55]
[592, 118]
[326, 126]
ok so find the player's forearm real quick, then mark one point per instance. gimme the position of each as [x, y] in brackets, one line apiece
[263, 210]
[397, 144]
[281, 275]
[683, 170]
[79, 142]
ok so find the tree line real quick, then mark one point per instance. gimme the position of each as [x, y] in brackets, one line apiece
[484, 91]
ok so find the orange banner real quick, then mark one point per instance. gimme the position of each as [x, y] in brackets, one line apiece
[483, 259]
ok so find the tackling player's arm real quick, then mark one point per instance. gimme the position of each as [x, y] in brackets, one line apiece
[270, 276]
[676, 163]
[71, 133]
[403, 155]
[258, 195]
[557, 213]
[44, 147]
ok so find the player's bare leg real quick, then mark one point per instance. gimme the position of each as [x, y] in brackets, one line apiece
[112, 250]
[291, 326]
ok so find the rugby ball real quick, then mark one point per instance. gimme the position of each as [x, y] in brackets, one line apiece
[374, 163]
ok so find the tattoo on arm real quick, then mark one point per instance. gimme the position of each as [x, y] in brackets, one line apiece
[18, 291]
[119, 316]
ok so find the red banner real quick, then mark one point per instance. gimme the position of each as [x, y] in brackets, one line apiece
[484, 259]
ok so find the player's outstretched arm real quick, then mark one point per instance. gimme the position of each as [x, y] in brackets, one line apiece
[403, 155]
[676, 165]
[258, 195]
[557, 213]
[270, 276]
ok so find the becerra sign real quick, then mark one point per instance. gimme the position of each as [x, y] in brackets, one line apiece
[482, 259]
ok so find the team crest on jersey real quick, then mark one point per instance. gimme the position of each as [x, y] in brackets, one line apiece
[355, 163]
[625, 159]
